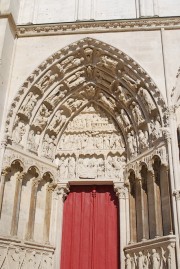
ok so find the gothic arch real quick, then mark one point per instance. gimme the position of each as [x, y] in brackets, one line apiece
[88, 73]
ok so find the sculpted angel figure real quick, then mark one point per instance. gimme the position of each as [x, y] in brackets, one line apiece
[137, 114]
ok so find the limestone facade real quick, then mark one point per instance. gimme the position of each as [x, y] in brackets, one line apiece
[86, 101]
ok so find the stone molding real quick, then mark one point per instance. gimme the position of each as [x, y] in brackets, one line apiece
[98, 26]
[43, 166]
[155, 252]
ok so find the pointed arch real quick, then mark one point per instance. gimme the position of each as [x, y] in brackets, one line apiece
[83, 73]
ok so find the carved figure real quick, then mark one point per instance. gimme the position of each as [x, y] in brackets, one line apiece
[140, 261]
[46, 80]
[155, 129]
[137, 114]
[42, 117]
[45, 147]
[70, 63]
[88, 54]
[143, 139]
[71, 167]
[19, 132]
[130, 144]
[155, 259]
[33, 141]
[75, 79]
[103, 79]
[147, 99]
[125, 118]
[29, 104]
[89, 72]
[130, 81]
[120, 92]
[128, 262]
[57, 94]
[171, 259]
[63, 168]
[107, 101]
[74, 104]
[58, 121]
[108, 63]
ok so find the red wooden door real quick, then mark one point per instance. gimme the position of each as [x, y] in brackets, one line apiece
[90, 238]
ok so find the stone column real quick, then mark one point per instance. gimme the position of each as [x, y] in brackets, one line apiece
[142, 212]
[166, 201]
[16, 205]
[32, 209]
[61, 192]
[155, 219]
[4, 173]
[122, 194]
[47, 218]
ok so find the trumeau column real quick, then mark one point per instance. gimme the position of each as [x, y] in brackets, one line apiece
[61, 192]
[122, 194]
[4, 173]
[32, 209]
[16, 205]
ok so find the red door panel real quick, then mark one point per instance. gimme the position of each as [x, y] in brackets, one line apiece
[90, 238]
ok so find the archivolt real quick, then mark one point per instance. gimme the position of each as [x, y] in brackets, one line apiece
[86, 73]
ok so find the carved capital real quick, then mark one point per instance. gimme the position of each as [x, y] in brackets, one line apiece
[62, 191]
[36, 181]
[167, 134]
[176, 194]
[5, 171]
[20, 176]
[121, 190]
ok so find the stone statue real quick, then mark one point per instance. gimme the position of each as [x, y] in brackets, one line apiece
[34, 139]
[75, 80]
[57, 122]
[133, 82]
[56, 95]
[19, 133]
[29, 104]
[155, 259]
[70, 63]
[88, 54]
[128, 262]
[63, 167]
[171, 259]
[107, 101]
[143, 139]
[71, 167]
[155, 129]
[140, 261]
[108, 63]
[125, 118]
[137, 114]
[147, 99]
[42, 117]
[46, 80]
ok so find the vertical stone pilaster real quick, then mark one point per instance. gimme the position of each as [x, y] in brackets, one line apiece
[61, 190]
[32, 209]
[47, 217]
[16, 205]
[122, 194]
[166, 201]
[4, 173]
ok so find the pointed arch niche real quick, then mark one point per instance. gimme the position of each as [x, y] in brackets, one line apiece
[89, 113]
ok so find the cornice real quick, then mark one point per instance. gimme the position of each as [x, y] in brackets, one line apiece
[143, 24]
[11, 21]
